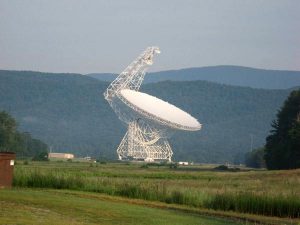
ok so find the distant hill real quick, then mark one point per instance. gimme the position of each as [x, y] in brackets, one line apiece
[109, 77]
[231, 75]
[69, 113]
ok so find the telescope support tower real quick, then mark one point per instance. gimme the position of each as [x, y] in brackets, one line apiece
[142, 142]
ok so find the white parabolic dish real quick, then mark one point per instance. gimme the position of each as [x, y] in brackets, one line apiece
[159, 110]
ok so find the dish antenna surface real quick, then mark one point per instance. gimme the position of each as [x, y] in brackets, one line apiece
[150, 120]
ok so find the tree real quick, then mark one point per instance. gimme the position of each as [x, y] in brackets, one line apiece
[32, 147]
[255, 158]
[42, 156]
[37, 149]
[8, 132]
[21, 143]
[283, 144]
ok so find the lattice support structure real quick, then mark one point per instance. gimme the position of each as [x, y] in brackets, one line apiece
[143, 142]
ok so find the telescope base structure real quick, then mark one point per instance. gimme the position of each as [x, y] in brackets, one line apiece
[141, 142]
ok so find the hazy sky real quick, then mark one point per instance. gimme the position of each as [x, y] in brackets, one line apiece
[105, 36]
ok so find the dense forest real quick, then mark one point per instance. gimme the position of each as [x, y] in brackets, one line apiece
[69, 113]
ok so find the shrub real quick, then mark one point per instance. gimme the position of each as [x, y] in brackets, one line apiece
[221, 167]
[173, 166]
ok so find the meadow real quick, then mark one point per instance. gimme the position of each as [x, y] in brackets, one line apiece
[254, 192]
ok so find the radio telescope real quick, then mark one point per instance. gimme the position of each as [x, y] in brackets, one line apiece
[150, 120]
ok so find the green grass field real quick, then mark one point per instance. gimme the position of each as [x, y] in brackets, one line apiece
[257, 194]
[25, 206]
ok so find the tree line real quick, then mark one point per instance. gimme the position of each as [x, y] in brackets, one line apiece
[22, 143]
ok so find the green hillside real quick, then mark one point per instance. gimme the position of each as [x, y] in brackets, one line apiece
[69, 113]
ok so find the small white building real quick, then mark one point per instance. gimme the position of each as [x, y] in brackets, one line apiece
[88, 158]
[57, 155]
[183, 163]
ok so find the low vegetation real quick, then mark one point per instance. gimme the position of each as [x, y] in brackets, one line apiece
[271, 193]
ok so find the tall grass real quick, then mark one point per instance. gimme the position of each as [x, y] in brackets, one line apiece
[281, 206]
[166, 190]
[50, 180]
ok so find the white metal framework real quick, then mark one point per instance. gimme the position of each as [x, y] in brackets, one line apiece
[133, 76]
[147, 133]
[144, 142]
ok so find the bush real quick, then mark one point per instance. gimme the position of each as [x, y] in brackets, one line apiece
[42, 156]
[255, 159]
[173, 166]
[221, 167]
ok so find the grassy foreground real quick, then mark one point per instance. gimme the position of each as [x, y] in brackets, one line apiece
[268, 193]
[26, 206]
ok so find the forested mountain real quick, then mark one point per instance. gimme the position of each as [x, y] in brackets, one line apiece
[232, 75]
[69, 113]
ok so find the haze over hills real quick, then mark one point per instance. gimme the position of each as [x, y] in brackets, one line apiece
[232, 75]
[69, 113]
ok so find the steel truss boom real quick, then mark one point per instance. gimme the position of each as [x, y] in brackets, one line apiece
[133, 76]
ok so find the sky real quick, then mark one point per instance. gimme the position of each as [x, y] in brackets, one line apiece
[95, 36]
